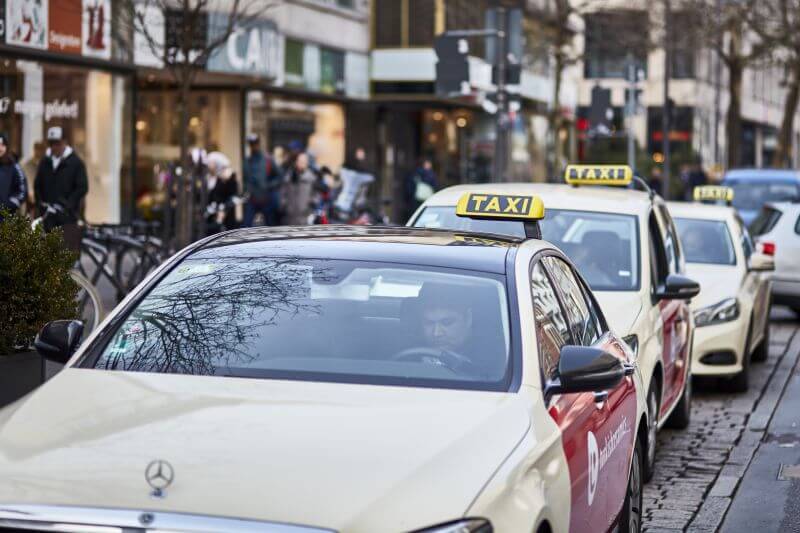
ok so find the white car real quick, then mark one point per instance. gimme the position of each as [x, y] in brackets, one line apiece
[731, 313]
[624, 243]
[336, 379]
[776, 231]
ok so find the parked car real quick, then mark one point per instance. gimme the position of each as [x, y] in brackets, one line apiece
[755, 187]
[776, 231]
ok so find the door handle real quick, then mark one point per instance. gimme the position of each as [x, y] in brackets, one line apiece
[600, 397]
[629, 368]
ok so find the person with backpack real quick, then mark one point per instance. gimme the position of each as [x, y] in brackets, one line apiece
[262, 182]
[13, 186]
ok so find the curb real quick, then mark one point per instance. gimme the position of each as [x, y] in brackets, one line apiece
[715, 506]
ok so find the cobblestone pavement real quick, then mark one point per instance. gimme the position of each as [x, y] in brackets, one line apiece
[697, 469]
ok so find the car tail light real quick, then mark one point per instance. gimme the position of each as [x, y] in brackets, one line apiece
[767, 248]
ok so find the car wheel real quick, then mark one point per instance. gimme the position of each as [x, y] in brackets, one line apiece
[649, 462]
[630, 520]
[680, 417]
[762, 350]
[741, 381]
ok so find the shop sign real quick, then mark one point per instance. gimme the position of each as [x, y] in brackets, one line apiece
[64, 33]
[253, 50]
[55, 109]
[26, 23]
[96, 28]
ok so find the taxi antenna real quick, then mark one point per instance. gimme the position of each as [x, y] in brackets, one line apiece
[643, 185]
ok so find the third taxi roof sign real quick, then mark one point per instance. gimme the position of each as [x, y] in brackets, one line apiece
[598, 175]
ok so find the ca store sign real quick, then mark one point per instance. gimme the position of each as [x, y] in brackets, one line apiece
[253, 50]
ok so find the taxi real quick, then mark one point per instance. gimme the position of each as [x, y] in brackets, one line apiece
[338, 379]
[731, 314]
[625, 245]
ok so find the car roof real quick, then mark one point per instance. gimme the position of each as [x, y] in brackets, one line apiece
[700, 211]
[774, 174]
[424, 247]
[556, 196]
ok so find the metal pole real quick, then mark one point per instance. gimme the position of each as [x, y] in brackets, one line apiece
[666, 118]
[630, 110]
[501, 124]
[717, 88]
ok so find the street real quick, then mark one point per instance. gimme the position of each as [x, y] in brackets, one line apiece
[707, 478]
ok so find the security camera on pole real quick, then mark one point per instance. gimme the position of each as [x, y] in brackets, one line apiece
[452, 72]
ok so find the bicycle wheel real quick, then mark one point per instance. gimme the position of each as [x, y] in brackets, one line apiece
[90, 306]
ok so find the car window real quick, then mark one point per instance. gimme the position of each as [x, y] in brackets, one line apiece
[658, 258]
[797, 226]
[706, 241]
[552, 332]
[747, 240]
[581, 321]
[751, 195]
[766, 220]
[229, 312]
[670, 239]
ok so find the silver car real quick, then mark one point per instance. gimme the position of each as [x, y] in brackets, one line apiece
[776, 231]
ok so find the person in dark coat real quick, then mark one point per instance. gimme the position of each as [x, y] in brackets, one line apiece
[263, 180]
[420, 185]
[13, 186]
[60, 186]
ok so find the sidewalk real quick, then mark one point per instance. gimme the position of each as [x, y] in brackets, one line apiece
[763, 502]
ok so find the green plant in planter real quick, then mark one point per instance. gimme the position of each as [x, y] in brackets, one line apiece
[35, 285]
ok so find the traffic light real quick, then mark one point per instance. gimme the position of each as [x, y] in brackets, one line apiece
[452, 67]
[600, 112]
[513, 44]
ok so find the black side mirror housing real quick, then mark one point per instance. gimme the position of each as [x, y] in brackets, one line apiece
[58, 340]
[586, 369]
[678, 287]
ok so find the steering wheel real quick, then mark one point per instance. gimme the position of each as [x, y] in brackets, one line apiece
[452, 361]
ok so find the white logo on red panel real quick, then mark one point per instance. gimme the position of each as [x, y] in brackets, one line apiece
[598, 457]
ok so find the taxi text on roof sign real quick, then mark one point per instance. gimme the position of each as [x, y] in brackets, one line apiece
[598, 175]
[509, 206]
[713, 192]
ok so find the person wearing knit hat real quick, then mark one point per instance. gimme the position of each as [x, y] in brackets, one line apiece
[13, 185]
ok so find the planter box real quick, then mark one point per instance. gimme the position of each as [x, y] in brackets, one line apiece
[20, 373]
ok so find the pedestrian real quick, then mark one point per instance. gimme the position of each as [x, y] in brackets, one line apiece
[13, 185]
[656, 180]
[262, 183]
[60, 187]
[697, 178]
[420, 185]
[298, 191]
[222, 193]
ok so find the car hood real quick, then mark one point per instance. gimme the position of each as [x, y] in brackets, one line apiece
[621, 309]
[346, 457]
[717, 282]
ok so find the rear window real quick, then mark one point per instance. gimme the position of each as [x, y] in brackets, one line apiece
[604, 246]
[766, 220]
[241, 315]
[706, 241]
[751, 195]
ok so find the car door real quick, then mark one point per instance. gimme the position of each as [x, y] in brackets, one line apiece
[615, 433]
[755, 285]
[675, 317]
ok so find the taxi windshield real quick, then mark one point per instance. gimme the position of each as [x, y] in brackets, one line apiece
[320, 320]
[604, 246]
[706, 241]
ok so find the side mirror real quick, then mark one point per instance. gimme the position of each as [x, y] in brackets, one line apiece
[761, 262]
[678, 287]
[586, 369]
[58, 340]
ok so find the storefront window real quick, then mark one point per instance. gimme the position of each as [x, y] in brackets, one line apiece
[92, 108]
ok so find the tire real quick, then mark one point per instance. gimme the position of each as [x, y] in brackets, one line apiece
[682, 414]
[761, 352]
[630, 521]
[649, 456]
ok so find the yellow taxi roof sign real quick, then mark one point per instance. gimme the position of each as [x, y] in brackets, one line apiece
[500, 206]
[713, 193]
[598, 175]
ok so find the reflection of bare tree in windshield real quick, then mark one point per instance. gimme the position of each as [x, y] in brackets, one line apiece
[203, 317]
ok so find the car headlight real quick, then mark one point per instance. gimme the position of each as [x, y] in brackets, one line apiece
[633, 342]
[467, 525]
[720, 312]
